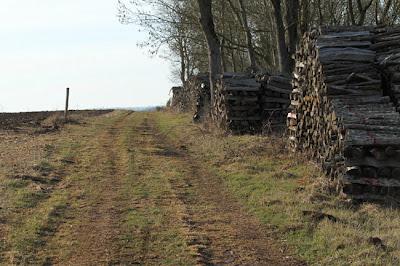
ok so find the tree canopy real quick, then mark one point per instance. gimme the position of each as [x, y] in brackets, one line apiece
[251, 34]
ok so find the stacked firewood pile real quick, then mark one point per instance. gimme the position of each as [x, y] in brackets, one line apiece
[193, 97]
[237, 107]
[198, 89]
[275, 101]
[339, 114]
[387, 45]
[180, 100]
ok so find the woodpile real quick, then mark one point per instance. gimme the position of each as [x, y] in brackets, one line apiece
[275, 101]
[198, 89]
[193, 97]
[180, 101]
[243, 103]
[386, 43]
[339, 114]
[237, 107]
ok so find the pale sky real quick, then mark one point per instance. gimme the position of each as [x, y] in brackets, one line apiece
[48, 45]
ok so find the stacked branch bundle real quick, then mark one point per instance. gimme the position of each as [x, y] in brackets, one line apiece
[339, 114]
[275, 101]
[387, 46]
[237, 107]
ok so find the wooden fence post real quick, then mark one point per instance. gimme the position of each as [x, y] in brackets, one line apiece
[66, 105]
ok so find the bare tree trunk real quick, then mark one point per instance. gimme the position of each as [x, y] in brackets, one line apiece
[222, 40]
[232, 52]
[234, 64]
[242, 63]
[187, 59]
[292, 20]
[351, 12]
[273, 37]
[305, 16]
[382, 19]
[223, 57]
[249, 38]
[363, 11]
[386, 11]
[377, 21]
[242, 19]
[183, 62]
[213, 44]
[320, 15]
[283, 52]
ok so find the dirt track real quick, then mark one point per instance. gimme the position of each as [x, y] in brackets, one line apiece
[221, 232]
[136, 198]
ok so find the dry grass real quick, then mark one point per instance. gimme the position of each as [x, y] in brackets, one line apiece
[277, 187]
[27, 201]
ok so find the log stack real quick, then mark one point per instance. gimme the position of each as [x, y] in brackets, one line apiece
[339, 114]
[193, 97]
[275, 101]
[237, 107]
[180, 100]
[387, 46]
[198, 88]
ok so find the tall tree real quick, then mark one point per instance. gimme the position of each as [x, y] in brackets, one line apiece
[263, 33]
[281, 40]
[362, 11]
[241, 16]
[213, 44]
[292, 21]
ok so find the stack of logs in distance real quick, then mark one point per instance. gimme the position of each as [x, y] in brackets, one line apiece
[237, 107]
[193, 96]
[198, 87]
[386, 43]
[179, 99]
[339, 114]
[275, 101]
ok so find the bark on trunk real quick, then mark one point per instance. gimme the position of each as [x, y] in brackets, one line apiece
[283, 52]
[214, 49]
[292, 19]
[363, 11]
[183, 62]
[241, 17]
[249, 38]
[351, 12]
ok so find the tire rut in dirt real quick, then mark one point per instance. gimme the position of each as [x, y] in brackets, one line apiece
[219, 230]
[199, 244]
[96, 217]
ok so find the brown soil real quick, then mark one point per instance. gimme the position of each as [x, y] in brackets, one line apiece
[18, 121]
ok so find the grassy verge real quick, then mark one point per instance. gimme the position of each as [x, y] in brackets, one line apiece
[288, 194]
